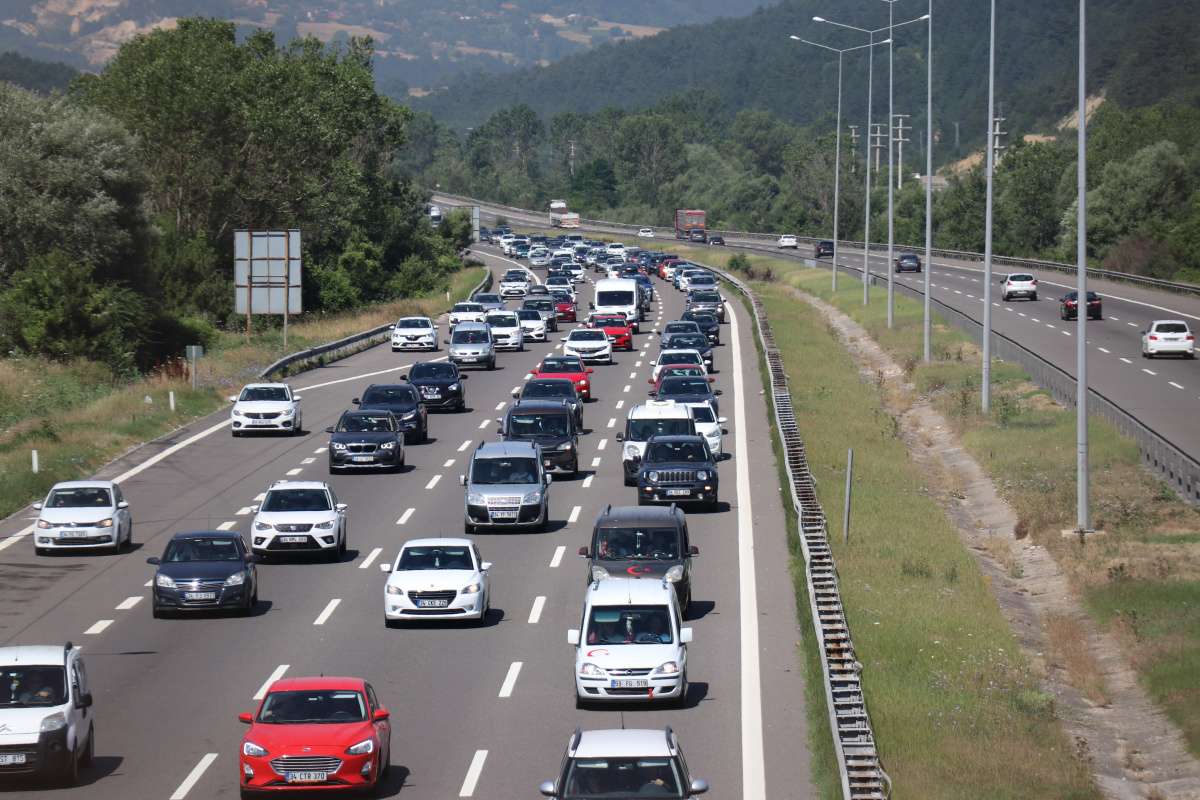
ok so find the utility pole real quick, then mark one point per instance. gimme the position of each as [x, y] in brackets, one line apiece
[853, 148]
[571, 157]
[996, 134]
[956, 137]
[877, 143]
[901, 126]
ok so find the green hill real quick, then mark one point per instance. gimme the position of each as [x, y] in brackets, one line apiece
[36, 76]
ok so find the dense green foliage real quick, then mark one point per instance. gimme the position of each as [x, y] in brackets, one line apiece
[120, 200]
[36, 76]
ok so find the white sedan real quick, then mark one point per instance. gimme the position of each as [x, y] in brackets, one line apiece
[646, 233]
[788, 241]
[590, 344]
[1168, 337]
[414, 333]
[436, 579]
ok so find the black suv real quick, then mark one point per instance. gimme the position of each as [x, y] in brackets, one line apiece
[366, 439]
[550, 424]
[404, 402]
[679, 469]
[644, 543]
[908, 262]
[823, 248]
[438, 384]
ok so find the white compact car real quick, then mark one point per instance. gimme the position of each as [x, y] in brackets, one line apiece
[1020, 284]
[615, 248]
[302, 517]
[575, 270]
[539, 257]
[436, 579]
[606, 763]
[646, 233]
[590, 344]
[266, 407]
[788, 241]
[1168, 337]
[506, 330]
[466, 312]
[82, 514]
[514, 283]
[414, 333]
[47, 723]
[709, 425]
[533, 324]
[633, 646]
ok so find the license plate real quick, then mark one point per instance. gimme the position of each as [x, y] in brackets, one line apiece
[262, 422]
[362, 459]
[72, 534]
[433, 603]
[678, 492]
[293, 539]
[468, 359]
[7, 759]
[307, 777]
[628, 683]
[199, 595]
[431, 393]
[504, 514]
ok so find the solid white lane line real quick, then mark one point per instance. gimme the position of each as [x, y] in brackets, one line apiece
[535, 613]
[612, 422]
[16, 537]
[275, 675]
[601, 444]
[370, 559]
[484, 424]
[620, 404]
[596, 461]
[404, 517]
[295, 471]
[464, 445]
[170, 451]
[130, 602]
[226, 526]
[510, 680]
[307, 460]
[1102, 350]
[449, 463]
[433, 482]
[627, 388]
[557, 558]
[500, 406]
[194, 776]
[571, 520]
[324, 616]
[243, 511]
[98, 627]
[1126, 360]
[1149, 371]
[473, 771]
[587, 482]
[1176, 385]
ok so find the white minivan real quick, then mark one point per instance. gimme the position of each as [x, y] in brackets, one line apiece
[619, 296]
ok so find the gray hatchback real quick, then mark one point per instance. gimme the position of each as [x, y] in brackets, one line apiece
[506, 486]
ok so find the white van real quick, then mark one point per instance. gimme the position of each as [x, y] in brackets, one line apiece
[652, 418]
[619, 296]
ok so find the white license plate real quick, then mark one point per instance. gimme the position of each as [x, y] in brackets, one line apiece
[363, 459]
[199, 595]
[431, 393]
[678, 492]
[307, 777]
[293, 539]
[503, 514]
[262, 422]
[73, 534]
[7, 759]
[433, 603]
[628, 683]
[468, 359]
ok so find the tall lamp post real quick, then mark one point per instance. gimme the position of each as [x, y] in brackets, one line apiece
[837, 159]
[985, 390]
[925, 323]
[1081, 378]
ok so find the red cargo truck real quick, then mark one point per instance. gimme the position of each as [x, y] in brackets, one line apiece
[688, 220]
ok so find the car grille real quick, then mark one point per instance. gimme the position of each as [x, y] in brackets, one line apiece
[74, 524]
[632, 673]
[493, 502]
[296, 527]
[587, 351]
[285, 764]
[676, 476]
[361, 448]
[199, 585]
[440, 594]
[31, 757]
[271, 415]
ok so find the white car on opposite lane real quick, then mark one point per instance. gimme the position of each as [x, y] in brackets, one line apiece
[788, 241]
[646, 233]
[443, 578]
[1168, 337]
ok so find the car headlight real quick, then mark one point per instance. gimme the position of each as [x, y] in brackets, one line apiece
[237, 412]
[251, 749]
[164, 581]
[652, 476]
[393, 589]
[388, 446]
[43, 524]
[533, 497]
[104, 523]
[588, 668]
[472, 589]
[674, 574]
[566, 446]
[410, 415]
[337, 446]
[362, 748]
[599, 573]
[452, 387]
[262, 526]
[702, 475]
[288, 412]
[667, 668]
[236, 579]
[54, 722]
[631, 452]
[326, 525]
[475, 499]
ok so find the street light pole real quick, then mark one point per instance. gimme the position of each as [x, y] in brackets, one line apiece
[928, 351]
[891, 273]
[985, 390]
[1083, 520]
[866, 276]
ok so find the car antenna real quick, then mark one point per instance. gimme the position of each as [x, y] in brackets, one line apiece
[622, 716]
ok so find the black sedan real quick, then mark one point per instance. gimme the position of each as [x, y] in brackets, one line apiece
[1068, 306]
[710, 326]
[908, 262]
[554, 389]
[439, 386]
[679, 469]
[204, 571]
[365, 439]
[687, 389]
[718, 241]
[404, 403]
[691, 341]
[823, 248]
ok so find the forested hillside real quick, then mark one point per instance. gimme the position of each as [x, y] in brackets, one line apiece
[36, 76]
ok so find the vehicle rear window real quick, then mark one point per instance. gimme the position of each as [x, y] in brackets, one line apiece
[390, 394]
[1020, 278]
[539, 424]
[1171, 327]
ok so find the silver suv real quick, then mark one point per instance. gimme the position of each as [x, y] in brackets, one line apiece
[471, 344]
[506, 487]
[625, 763]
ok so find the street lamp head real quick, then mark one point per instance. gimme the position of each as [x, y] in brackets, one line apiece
[922, 18]
[885, 41]
[794, 36]
[819, 19]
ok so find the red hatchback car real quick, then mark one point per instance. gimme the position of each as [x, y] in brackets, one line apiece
[315, 733]
[569, 367]
[565, 309]
[616, 327]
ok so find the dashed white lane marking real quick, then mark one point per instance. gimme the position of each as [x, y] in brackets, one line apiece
[627, 388]
[571, 520]
[958, 291]
[473, 772]
[1176, 385]
[319, 450]
[449, 463]
[500, 406]
[1051, 327]
[307, 460]
[464, 445]
[260, 497]
[970, 295]
[130, 602]
[1065, 333]
[997, 305]
[226, 526]
[148, 583]
[557, 558]
[1126, 360]
[295, 471]
[1102, 349]
[325, 614]
[99, 627]
[620, 405]
[602, 444]
[404, 517]
[1022, 313]
[596, 461]
[192, 777]
[515, 390]
[1010, 308]
[637, 364]
[510, 679]
[484, 424]
[632, 375]
[587, 482]
[535, 613]
[1149, 371]
[243, 511]
[612, 422]
[1117, 319]
[433, 482]
[275, 675]
[370, 559]
[1131, 324]
[1035, 319]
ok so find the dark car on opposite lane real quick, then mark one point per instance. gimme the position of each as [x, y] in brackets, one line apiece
[679, 469]
[1068, 306]
[404, 402]
[642, 542]
[439, 386]
[823, 248]
[365, 439]
[717, 240]
[204, 571]
[908, 262]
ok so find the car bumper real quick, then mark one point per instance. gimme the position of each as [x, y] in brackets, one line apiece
[531, 514]
[599, 690]
[313, 542]
[47, 755]
[602, 355]
[1178, 348]
[53, 539]
[179, 600]
[353, 772]
[514, 292]
[401, 607]
[565, 316]
[1020, 292]
[535, 334]
[471, 361]
[664, 494]
[422, 344]
[262, 425]
[508, 344]
[378, 460]
[561, 460]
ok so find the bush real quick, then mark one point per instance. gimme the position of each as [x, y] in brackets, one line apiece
[739, 263]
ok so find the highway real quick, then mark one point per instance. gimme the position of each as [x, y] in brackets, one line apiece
[477, 711]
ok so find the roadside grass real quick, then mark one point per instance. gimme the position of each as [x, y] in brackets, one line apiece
[957, 708]
[79, 415]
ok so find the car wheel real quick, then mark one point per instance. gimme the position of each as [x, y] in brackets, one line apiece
[491, 365]
[1004, 297]
[1034, 297]
[333, 470]
[681, 700]
[40, 551]
[70, 773]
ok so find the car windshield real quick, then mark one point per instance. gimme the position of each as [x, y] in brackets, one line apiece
[414, 322]
[538, 425]
[25, 686]
[629, 625]
[680, 357]
[676, 451]
[691, 341]
[529, 314]
[615, 297]
[488, 298]
[296, 500]
[548, 388]
[701, 319]
[504, 470]
[640, 430]
[465, 308]
[559, 280]
[539, 305]
[439, 557]
[365, 423]
[685, 385]
[264, 393]
[698, 280]
[396, 393]
[502, 320]
[562, 364]
[703, 414]
[1171, 327]
[580, 335]
[706, 297]
[514, 275]
[420, 371]
[594, 778]
[652, 544]
[202, 548]
[470, 337]
[682, 372]
[82, 497]
[609, 322]
[330, 706]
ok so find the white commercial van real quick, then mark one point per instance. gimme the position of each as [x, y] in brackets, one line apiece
[619, 296]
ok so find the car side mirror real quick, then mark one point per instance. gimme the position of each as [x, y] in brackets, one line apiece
[693, 551]
[591, 304]
[573, 636]
[685, 635]
[232, 398]
[717, 392]
[123, 504]
[462, 480]
[652, 393]
[404, 377]
[548, 478]
[547, 789]
[585, 552]
[391, 327]
[698, 786]
[485, 566]
[356, 401]
[463, 377]
[589, 370]
[37, 506]
[385, 567]
[85, 700]
[654, 363]
[154, 561]
[722, 420]
[620, 437]
[329, 429]
[246, 717]
[724, 456]
[724, 430]
[297, 398]
[341, 507]
[382, 714]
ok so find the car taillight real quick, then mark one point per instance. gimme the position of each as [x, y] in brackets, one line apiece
[1035, 282]
[1190, 337]
[1152, 338]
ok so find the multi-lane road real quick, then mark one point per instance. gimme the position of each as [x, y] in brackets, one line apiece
[477, 711]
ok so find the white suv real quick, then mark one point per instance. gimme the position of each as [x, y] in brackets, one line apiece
[1020, 284]
[466, 312]
[300, 517]
[414, 333]
[1168, 336]
[82, 514]
[788, 241]
[47, 725]
[632, 646]
[266, 407]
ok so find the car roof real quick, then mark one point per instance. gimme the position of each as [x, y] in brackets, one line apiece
[624, 515]
[677, 438]
[322, 682]
[416, 316]
[623, 743]
[266, 386]
[506, 450]
[620, 591]
[300, 484]
[540, 405]
[659, 409]
[1169, 322]
[470, 326]
[34, 654]
[206, 535]
[438, 541]
[83, 485]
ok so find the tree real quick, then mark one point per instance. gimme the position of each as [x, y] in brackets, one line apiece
[959, 211]
[650, 153]
[1027, 212]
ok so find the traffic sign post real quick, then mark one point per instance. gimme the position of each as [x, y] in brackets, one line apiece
[267, 274]
[193, 352]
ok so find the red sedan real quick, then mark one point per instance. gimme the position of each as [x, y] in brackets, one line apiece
[315, 733]
[569, 367]
[616, 327]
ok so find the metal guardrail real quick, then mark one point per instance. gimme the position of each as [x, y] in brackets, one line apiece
[349, 345]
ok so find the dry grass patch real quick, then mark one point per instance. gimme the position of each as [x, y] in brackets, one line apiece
[1067, 643]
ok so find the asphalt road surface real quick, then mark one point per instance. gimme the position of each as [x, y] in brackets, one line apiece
[477, 711]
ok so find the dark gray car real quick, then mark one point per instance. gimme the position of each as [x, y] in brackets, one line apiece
[643, 542]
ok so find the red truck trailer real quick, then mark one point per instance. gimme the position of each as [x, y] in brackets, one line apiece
[688, 220]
